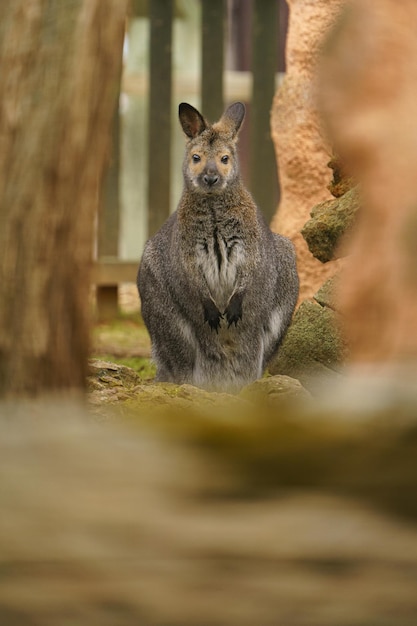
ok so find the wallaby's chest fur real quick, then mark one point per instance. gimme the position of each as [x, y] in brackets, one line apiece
[217, 239]
[217, 288]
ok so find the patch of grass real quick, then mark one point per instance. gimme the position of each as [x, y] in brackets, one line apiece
[124, 341]
[123, 337]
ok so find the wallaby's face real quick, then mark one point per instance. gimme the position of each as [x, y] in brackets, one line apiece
[210, 167]
[210, 163]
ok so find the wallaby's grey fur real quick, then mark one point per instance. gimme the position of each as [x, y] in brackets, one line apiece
[218, 288]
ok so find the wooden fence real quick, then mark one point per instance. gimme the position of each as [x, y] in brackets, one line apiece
[263, 19]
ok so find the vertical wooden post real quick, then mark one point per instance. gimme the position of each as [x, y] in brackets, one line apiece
[213, 18]
[264, 185]
[159, 137]
[108, 224]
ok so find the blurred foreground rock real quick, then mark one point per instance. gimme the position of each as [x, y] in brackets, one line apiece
[262, 518]
[367, 93]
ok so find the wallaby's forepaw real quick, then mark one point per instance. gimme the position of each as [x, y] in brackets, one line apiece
[212, 315]
[234, 309]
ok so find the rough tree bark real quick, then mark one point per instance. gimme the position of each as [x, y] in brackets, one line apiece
[59, 67]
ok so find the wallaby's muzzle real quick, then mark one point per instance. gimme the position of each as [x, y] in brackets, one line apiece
[211, 178]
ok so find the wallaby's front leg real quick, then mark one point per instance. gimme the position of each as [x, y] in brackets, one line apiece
[233, 310]
[212, 314]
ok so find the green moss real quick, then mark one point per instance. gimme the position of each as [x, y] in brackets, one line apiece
[329, 221]
[327, 294]
[313, 346]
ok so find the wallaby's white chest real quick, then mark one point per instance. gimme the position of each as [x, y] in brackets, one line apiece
[218, 258]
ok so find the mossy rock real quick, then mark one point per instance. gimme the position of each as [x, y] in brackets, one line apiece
[327, 294]
[113, 373]
[313, 347]
[273, 391]
[112, 383]
[341, 182]
[329, 221]
[172, 399]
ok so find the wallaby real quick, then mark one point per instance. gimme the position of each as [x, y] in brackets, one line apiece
[218, 288]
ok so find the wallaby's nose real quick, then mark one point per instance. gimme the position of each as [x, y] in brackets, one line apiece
[210, 179]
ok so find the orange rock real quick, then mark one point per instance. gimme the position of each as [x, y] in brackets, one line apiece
[302, 152]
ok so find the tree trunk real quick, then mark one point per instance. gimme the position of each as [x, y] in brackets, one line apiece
[59, 70]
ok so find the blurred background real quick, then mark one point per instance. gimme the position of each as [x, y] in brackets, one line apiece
[208, 54]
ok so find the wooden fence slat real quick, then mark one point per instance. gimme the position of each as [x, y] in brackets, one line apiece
[111, 271]
[159, 117]
[263, 169]
[109, 223]
[212, 42]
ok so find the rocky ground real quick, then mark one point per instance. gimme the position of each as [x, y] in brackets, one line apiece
[121, 369]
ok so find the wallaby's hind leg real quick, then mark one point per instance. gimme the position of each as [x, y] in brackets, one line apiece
[172, 347]
[171, 351]
[172, 366]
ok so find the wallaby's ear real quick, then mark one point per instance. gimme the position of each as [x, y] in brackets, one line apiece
[232, 118]
[192, 122]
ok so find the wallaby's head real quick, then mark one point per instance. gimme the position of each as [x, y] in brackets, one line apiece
[210, 163]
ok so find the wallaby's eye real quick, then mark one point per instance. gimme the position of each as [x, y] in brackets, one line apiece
[196, 158]
[225, 159]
